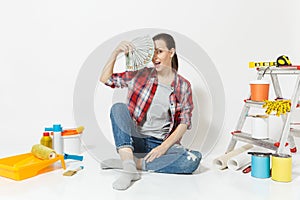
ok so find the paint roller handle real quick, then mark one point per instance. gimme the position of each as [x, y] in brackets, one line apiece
[73, 157]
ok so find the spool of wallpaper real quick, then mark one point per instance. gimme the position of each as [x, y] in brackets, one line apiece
[221, 162]
[43, 152]
[239, 161]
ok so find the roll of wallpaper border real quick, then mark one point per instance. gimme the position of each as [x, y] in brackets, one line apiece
[239, 161]
[221, 161]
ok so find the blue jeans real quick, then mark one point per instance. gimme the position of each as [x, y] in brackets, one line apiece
[177, 160]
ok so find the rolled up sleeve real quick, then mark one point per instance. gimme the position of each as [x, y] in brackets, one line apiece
[187, 106]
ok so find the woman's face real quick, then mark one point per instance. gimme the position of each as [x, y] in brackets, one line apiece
[162, 55]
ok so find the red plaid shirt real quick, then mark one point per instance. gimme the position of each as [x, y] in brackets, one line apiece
[142, 86]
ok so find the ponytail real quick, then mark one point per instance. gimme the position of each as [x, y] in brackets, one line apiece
[175, 62]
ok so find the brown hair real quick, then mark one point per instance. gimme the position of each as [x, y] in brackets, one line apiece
[170, 42]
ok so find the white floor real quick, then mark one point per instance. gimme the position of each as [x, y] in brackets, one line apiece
[94, 183]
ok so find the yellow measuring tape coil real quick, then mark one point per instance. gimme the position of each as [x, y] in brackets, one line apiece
[283, 60]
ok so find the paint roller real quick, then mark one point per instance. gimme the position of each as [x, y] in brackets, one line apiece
[45, 153]
[42, 152]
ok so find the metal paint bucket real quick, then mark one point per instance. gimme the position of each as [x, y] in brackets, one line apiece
[260, 164]
[281, 167]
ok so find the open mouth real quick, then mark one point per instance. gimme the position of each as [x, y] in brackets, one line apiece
[156, 63]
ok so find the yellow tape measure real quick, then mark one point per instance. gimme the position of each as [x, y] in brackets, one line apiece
[262, 64]
[281, 61]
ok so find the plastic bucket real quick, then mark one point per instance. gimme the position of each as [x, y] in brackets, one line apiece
[72, 144]
[260, 127]
[260, 165]
[259, 90]
[281, 167]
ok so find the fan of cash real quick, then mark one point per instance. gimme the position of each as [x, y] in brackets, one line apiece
[142, 53]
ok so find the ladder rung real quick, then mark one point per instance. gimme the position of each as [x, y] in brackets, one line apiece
[277, 70]
[245, 137]
[295, 132]
[258, 104]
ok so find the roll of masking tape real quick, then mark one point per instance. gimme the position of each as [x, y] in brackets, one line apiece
[43, 152]
[281, 167]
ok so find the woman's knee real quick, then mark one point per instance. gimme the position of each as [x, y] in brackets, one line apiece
[118, 107]
[119, 111]
[190, 161]
[194, 157]
[187, 160]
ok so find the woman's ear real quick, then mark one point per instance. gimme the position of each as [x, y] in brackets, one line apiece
[172, 52]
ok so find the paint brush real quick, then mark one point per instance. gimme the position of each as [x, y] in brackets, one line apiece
[72, 172]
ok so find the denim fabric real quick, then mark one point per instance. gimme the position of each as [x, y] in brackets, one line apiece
[177, 160]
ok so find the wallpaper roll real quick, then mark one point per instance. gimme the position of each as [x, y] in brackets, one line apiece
[221, 162]
[239, 161]
[43, 152]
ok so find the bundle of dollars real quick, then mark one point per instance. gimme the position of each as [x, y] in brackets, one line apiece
[279, 106]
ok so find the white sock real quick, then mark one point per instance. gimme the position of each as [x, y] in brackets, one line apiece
[129, 174]
[111, 163]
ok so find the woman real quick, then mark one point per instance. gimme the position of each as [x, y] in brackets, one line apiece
[147, 131]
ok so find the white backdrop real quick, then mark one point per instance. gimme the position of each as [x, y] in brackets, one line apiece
[43, 45]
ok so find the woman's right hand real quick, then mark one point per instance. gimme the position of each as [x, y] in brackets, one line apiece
[124, 46]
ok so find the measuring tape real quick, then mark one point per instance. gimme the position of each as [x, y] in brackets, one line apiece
[262, 64]
[281, 61]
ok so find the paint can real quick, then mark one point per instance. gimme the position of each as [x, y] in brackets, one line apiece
[259, 90]
[260, 127]
[260, 164]
[72, 143]
[281, 167]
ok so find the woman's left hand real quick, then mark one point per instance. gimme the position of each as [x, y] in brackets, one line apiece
[155, 153]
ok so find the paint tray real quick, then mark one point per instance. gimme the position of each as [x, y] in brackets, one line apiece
[27, 165]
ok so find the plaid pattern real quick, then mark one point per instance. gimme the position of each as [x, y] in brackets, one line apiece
[142, 86]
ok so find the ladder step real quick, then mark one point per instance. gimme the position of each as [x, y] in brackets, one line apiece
[276, 70]
[245, 137]
[259, 104]
[295, 132]
[251, 103]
